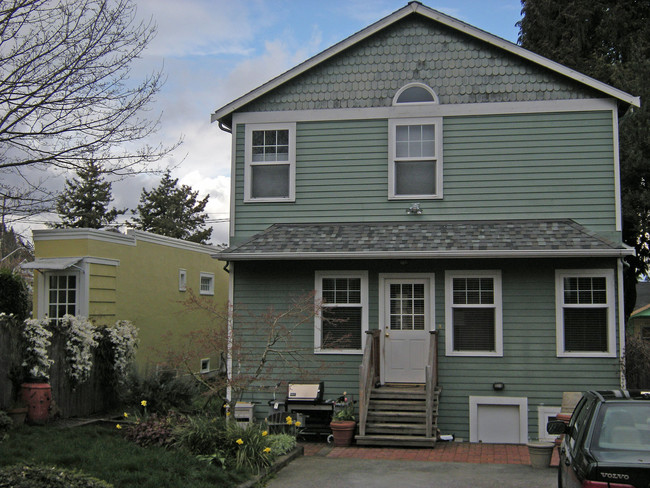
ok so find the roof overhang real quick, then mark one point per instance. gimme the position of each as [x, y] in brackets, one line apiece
[226, 111]
[52, 264]
[512, 239]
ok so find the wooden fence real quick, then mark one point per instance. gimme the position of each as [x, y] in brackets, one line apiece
[92, 396]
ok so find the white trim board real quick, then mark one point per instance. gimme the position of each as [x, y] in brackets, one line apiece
[131, 238]
[521, 402]
[425, 110]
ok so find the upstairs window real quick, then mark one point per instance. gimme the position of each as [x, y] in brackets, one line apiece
[270, 163]
[415, 93]
[415, 163]
[585, 313]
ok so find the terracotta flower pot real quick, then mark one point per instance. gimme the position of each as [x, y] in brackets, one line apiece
[37, 397]
[17, 415]
[343, 431]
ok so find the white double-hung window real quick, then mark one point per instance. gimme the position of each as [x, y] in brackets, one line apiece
[473, 313]
[342, 319]
[270, 162]
[415, 158]
[585, 313]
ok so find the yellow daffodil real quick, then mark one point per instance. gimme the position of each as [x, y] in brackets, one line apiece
[143, 403]
[298, 424]
[239, 441]
[126, 415]
[265, 433]
[267, 450]
[118, 426]
[289, 420]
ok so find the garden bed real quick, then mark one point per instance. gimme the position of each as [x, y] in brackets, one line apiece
[104, 453]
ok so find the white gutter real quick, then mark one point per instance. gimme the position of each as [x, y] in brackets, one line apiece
[266, 256]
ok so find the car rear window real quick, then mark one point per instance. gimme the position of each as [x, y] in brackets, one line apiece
[623, 426]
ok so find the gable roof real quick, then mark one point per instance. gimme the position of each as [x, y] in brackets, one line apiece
[223, 114]
[421, 240]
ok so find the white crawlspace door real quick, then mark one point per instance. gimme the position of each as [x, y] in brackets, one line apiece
[407, 319]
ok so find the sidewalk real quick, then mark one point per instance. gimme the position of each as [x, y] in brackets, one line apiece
[450, 452]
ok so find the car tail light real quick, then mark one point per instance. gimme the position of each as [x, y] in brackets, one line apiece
[603, 484]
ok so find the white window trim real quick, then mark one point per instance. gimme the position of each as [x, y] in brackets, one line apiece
[248, 161]
[211, 290]
[520, 402]
[81, 305]
[608, 274]
[414, 85]
[392, 124]
[182, 280]
[319, 275]
[204, 365]
[498, 315]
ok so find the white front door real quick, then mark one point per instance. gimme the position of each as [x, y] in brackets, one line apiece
[407, 305]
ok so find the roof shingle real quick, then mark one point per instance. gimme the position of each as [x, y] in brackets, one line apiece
[388, 240]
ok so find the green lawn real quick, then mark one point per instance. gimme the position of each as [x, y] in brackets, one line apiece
[102, 452]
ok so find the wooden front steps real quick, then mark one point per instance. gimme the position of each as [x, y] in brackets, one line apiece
[397, 417]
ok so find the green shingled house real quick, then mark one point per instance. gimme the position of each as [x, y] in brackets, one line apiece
[453, 201]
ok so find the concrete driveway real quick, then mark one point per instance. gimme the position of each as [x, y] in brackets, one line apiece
[324, 472]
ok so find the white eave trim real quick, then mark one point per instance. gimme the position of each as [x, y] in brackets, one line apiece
[603, 253]
[131, 238]
[443, 19]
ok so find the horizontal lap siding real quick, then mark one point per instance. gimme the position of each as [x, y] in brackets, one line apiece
[529, 366]
[531, 166]
[102, 287]
[549, 165]
[260, 288]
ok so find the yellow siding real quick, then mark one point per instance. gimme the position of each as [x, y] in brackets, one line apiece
[144, 287]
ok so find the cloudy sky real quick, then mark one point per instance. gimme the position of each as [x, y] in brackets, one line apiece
[213, 51]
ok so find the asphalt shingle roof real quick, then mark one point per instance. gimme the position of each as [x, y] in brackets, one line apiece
[386, 240]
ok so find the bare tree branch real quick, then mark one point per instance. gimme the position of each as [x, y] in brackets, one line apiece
[66, 88]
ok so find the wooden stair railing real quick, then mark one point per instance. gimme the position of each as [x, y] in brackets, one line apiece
[368, 376]
[431, 381]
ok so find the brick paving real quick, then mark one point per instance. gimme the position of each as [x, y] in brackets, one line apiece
[453, 452]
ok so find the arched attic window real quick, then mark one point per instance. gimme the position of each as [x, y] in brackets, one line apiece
[415, 93]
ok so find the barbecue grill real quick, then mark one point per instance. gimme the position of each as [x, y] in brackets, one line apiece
[307, 399]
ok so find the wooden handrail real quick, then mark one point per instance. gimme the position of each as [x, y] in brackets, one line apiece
[368, 376]
[431, 380]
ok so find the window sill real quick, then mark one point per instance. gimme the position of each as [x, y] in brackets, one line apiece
[586, 355]
[270, 200]
[358, 352]
[488, 354]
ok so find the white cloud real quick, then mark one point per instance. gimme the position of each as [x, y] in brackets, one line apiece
[197, 27]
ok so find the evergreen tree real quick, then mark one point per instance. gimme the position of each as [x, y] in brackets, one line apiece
[609, 41]
[173, 211]
[85, 199]
[13, 248]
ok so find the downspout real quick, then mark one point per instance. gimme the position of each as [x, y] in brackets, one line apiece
[231, 296]
[621, 324]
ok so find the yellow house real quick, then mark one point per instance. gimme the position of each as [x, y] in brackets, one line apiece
[138, 276]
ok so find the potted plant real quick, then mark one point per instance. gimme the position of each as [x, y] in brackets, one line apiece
[343, 422]
[36, 391]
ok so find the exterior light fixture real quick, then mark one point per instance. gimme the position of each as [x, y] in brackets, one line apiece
[414, 209]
